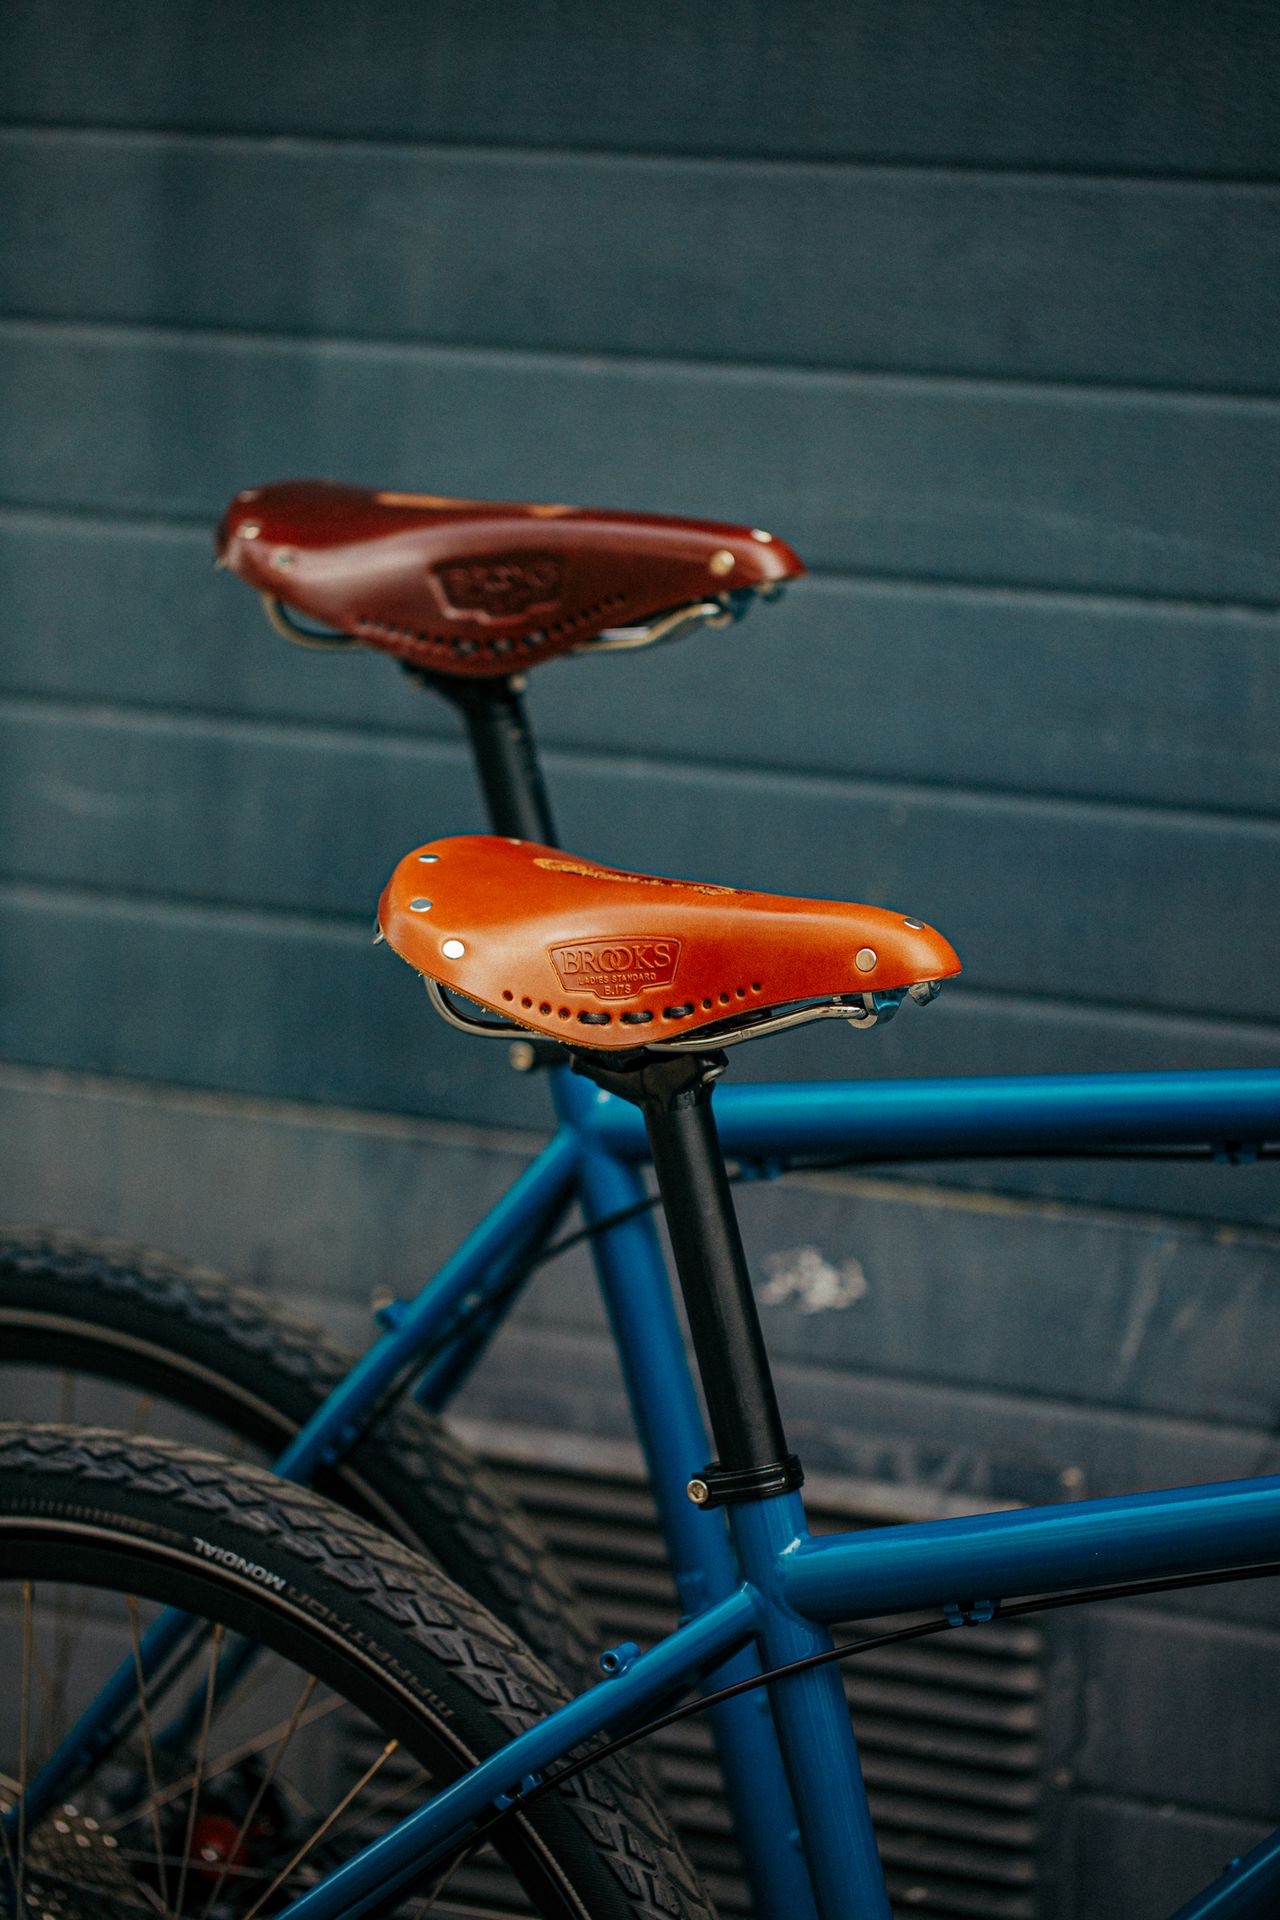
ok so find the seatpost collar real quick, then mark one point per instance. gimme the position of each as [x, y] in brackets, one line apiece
[654, 1082]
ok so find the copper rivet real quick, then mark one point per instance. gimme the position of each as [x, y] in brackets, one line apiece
[916, 926]
[758, 533]
[864, 959]
[721, 563]
[453, 949]
[250, 530]
[419, 906]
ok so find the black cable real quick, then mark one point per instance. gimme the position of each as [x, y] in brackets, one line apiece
[747, 1176]
[1044, 1603]
[597, 1227]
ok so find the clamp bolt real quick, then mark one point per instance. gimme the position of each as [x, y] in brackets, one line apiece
[699, 1492]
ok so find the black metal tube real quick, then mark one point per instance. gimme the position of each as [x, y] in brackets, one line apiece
[506, 760]
[727, 1339]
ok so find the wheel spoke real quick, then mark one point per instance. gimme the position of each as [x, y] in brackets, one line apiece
[66, 1638]
[292, 1866]
[24, 1725]
[382, 1801]
[231, 1758]
[202, 1744]
[295, 1722]
[148, 1750]
[144, 1407]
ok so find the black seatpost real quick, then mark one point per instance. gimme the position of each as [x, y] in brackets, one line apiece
[502, 747]
[674, 1093]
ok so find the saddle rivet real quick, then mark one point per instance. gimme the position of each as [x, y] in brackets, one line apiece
[916, 926]
[721, 562]
[758, 533]
[699, 1492]
[419, 906]
[864, 959]
[453, 949]
[250, 530]
[428, 859]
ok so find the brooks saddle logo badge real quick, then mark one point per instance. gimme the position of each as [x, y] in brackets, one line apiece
[617, 968]
[503, 586]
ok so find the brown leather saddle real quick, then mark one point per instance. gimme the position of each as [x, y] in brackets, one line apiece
[597, 957]
[485, 587]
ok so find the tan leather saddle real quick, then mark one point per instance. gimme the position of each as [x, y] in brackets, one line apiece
[484, 587]
[597, 957]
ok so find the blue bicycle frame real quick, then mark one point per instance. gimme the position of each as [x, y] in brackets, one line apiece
[760, 1590]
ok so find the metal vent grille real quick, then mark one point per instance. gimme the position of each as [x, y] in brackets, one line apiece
[948, 1728]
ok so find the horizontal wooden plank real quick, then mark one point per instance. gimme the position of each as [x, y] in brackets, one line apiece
[1012, 1296]
[274, 1005]
[1030, 692]
[1133, 1862]
[331, 1206]
[1117, 1309]
[1126, 492]
[888, 1430]
[332, 1203]
[1093, 86]
[1136, 907]
[1159, 1693]
[1015, 276]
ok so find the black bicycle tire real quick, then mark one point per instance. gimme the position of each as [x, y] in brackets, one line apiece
[157, 1323]
[348, 1598]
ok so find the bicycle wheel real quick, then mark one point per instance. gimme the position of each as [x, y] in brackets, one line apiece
[94, 1329]
[376, 1681]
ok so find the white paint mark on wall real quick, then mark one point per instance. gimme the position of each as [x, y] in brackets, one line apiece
[805, 1276]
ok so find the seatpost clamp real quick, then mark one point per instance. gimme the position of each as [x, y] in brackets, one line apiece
[717, 1486]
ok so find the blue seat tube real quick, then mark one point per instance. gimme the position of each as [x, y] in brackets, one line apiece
[754, 1474]
[814, 1729]
[637, 1296]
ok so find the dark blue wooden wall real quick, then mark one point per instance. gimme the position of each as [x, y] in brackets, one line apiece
[975, 303]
